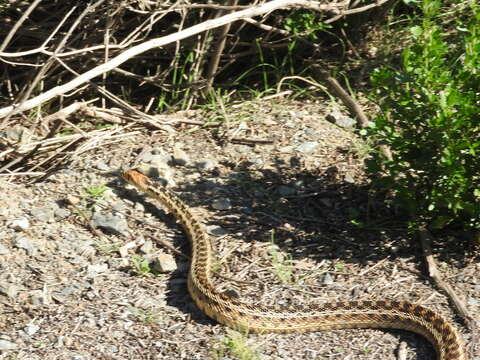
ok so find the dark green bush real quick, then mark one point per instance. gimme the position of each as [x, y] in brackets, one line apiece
[431, 118]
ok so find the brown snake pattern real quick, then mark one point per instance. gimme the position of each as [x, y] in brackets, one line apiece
[257, 318]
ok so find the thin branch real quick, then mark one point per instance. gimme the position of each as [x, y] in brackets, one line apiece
[18, 24]
[425, 239]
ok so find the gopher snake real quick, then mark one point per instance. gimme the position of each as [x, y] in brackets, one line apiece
[257, 318]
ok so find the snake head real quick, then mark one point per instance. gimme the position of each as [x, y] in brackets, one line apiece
[137, 179]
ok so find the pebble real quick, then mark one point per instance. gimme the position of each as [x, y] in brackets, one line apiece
[180, 157]
[161, 161]
[111, 223]
[44, 214]
[102, 165]
[222, 204]
[284, 190]
[473, 301]
[31, 329]
[336, 117]
[9, 289]
[26, 244]
[307, 147]
[20, 224]
[78, 357]
[7, 345]
[257, 162]
[16, 133]
[62, 213]
[216, 231]
[327, 279]
[242, 149]
[349, 179]
[326, 202]
[164, 263]
[95, 269]
[206, 164]
[4, 250]
[147, 247]
[286, 149]
[311, 133]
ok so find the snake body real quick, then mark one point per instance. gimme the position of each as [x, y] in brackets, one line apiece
[257, 318]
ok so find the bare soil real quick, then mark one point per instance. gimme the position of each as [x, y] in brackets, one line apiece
[283, 194]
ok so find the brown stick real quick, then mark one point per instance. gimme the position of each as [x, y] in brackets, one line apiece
[350, 103]
[219, 47]
[425, 240]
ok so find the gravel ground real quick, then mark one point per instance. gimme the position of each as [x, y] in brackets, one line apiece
[85, 273]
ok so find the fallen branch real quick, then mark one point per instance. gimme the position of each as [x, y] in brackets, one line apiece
[351, 104]
[425, 240]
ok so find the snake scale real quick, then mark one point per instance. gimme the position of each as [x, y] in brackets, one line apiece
[296, 318]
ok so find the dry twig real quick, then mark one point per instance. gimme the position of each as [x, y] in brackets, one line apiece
[426, 239]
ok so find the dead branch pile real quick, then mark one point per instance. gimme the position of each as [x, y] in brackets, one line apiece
[138, 56]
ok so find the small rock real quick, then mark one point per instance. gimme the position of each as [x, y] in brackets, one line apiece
[4, 250]
[4, 209]
[161, 161]
[7, 345]
[206, 164]
[62, 213]
[473, 301]
[147, 247]
[349, 179]
[336, 117]
[326, 202]
[147, 157]
[26, 244]
[242, 149]
[286, 149]
[123, 250]
[118, 335]
[164, 263]
[95, 269]
[307, 147]
[16, 133]
[8, 289]
[78, 357]
[327, 279]
[180, 157]
[221, 204]
[111, 223]
[44, 214]
[257, 162]
[73, 200]
[102, 166]
[20, 224]
[157, 151]
[311, 133]
[284, 190]
[31, 329]
[216, 231]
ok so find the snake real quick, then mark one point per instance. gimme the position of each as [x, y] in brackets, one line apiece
[246, 317]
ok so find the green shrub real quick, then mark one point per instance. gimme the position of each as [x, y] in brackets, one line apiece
[431, 118]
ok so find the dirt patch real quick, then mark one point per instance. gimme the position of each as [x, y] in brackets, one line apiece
[285, 200]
